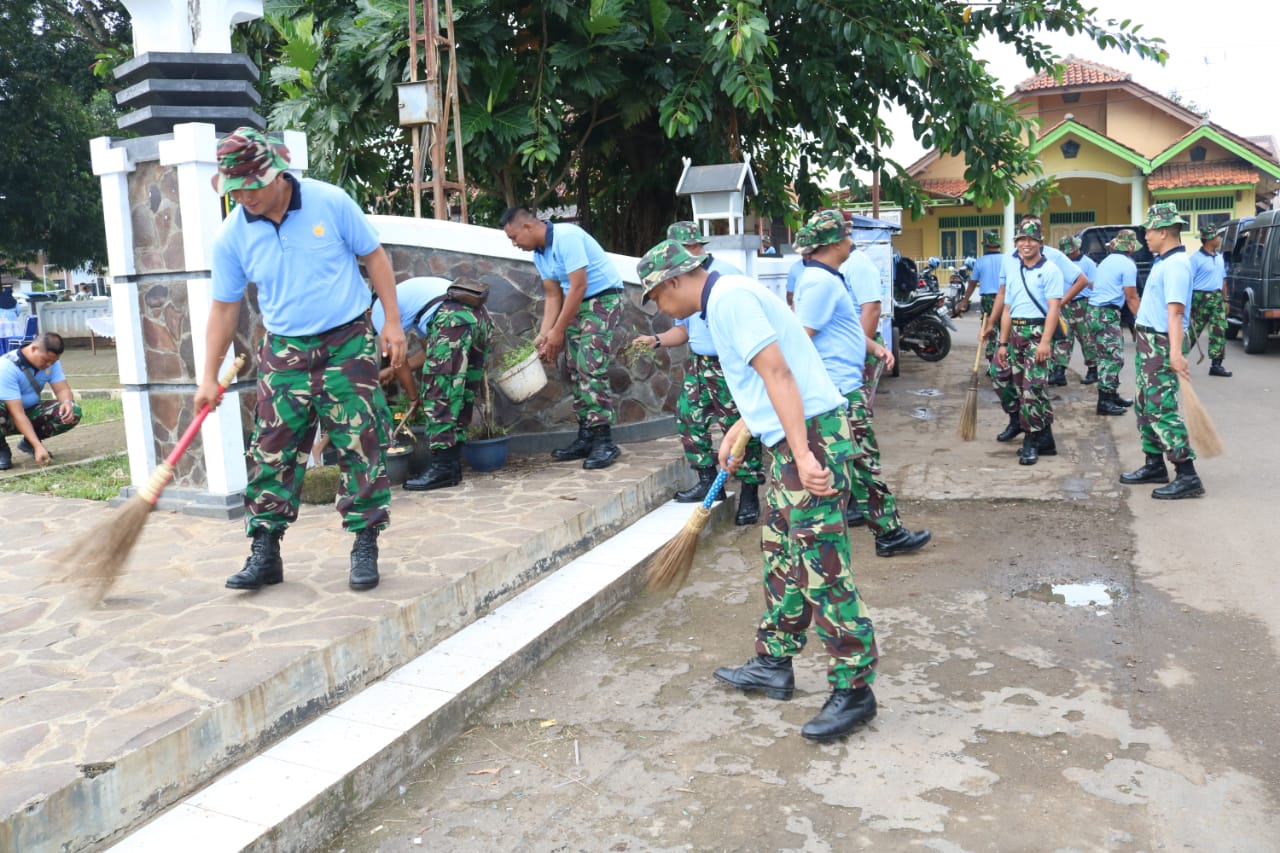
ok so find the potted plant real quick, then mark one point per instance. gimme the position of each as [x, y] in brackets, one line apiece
[486, 445]
[520, 374]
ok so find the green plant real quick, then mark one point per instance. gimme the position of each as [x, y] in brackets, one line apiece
[100, 410]
[514, 356]
[95, 480]
[485, 425]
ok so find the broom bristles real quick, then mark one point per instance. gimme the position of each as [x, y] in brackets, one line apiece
[670, 568]
[99, 556]
[1204, 435]
[969, 413]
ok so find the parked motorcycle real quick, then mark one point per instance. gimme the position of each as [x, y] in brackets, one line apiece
[959, 284]
[920, 325]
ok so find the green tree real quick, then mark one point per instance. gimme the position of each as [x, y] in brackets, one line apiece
[51, 105]
[594, 103]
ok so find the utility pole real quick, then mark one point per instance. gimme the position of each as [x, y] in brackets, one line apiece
[428, 115]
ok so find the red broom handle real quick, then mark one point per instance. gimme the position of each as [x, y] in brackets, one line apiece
[164, 472]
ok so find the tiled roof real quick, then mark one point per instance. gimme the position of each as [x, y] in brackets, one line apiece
[1209, 173]
[1075, 72]
[953, 187]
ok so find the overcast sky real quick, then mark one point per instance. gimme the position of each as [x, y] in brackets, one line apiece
[1221, 57]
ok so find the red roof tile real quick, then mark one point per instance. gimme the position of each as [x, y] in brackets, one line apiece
[1075, 72]
[953, 187]
[1210, 173]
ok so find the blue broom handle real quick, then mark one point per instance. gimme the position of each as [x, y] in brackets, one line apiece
[739, 447]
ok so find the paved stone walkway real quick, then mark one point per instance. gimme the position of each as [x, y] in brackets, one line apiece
[109, 713]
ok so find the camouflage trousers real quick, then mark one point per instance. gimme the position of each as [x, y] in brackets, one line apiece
[331, 379]
[587, 343]
[1103, 325]
[457, 347]
[872, 370]
[1208, 311]
[1075, 313]
[808, 571]
[1160, 424]
[44, 419]
[875, 501]
[1022, 385]
[989, 344]
[704, 402]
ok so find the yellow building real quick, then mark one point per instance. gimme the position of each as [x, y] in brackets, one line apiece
[1114, 147]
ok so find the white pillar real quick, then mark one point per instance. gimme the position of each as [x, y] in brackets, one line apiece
[1137, 198]
[1010, 223]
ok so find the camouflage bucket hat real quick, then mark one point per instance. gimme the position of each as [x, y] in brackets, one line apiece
[990, 238]
[1030, 227]
[1208, 232]
[1126, 241]
[666, 260]
[686, 233]
[1067, 245]
[1164, 215]
[249, 160]
[823, 228]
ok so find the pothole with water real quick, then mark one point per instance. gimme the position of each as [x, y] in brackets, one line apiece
[1094, 593]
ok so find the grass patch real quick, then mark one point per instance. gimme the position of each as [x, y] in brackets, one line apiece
[100, 480]
[96, 410]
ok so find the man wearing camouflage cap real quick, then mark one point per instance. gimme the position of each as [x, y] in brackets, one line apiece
[704, 397]
[1160, 361]
[1115, 284]
[824, 307]
[788, 400]
[301, 241]
[1075, 310]
[1032, 296]
[1208, 299]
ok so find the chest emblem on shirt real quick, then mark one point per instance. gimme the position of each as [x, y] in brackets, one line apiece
[317, 230]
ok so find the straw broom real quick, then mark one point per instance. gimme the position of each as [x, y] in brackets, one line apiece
[1203, 434]
[969, 412]
[99, 556]
[672, 565]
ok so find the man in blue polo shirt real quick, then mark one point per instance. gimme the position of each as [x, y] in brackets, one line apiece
[581, 311]
[299, 241]
[23, 374]
[787, 399]
[1160, 360]
[863, 279]
[1075, 310]
[1115, 285]
[1208, 298]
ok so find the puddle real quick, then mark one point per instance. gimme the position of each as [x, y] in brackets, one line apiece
[922, 413]
[1091, 594]
[927, 392]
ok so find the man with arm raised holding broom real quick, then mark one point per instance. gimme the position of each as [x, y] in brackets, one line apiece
[299, 241]
[785, 396]
[1160, 361]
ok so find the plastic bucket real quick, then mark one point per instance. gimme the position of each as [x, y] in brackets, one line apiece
[521, 381]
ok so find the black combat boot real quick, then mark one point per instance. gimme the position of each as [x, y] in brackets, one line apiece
[1045, 444]
[444, 471]
[844, 710]
[698, 491]
[763, 672]
[901, 541]
[1186, 484]
[580, 447]
[853, 516]
[1030, 452]
[1216, 368]
[264, 566]
[1013, 430]
[6, 455]
[603, 451]
[1107, 406]
[1058, 377]
[1090, 376]
[1152, 471]
[1121, 401]
[364, 560]
[748, 505]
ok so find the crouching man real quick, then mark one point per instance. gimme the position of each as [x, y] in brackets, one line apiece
[23, 375]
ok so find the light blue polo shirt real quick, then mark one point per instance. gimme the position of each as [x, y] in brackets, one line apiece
[745, 318]
[794, 273]
[569, 249]
[1044, 281]
[1207, 271]
[411, 295]
[1169, 281]
[862, 277]
[699, 335]
[1090, 270]
[1116, 272]
[986, 272]
[15, 385]
[823, 303]
[1067, 267]
[307, 269]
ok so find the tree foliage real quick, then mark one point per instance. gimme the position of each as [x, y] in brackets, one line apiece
[594, 103]
[51, 105]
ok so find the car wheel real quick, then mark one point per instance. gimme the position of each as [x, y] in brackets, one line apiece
[1254, 338]
[1232, 332]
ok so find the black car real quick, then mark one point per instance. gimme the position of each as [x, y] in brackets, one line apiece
[1094, 240]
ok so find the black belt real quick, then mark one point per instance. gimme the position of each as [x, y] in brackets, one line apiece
[603, 293]
[1027, 321]
[358, 318]
[1149, 330]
